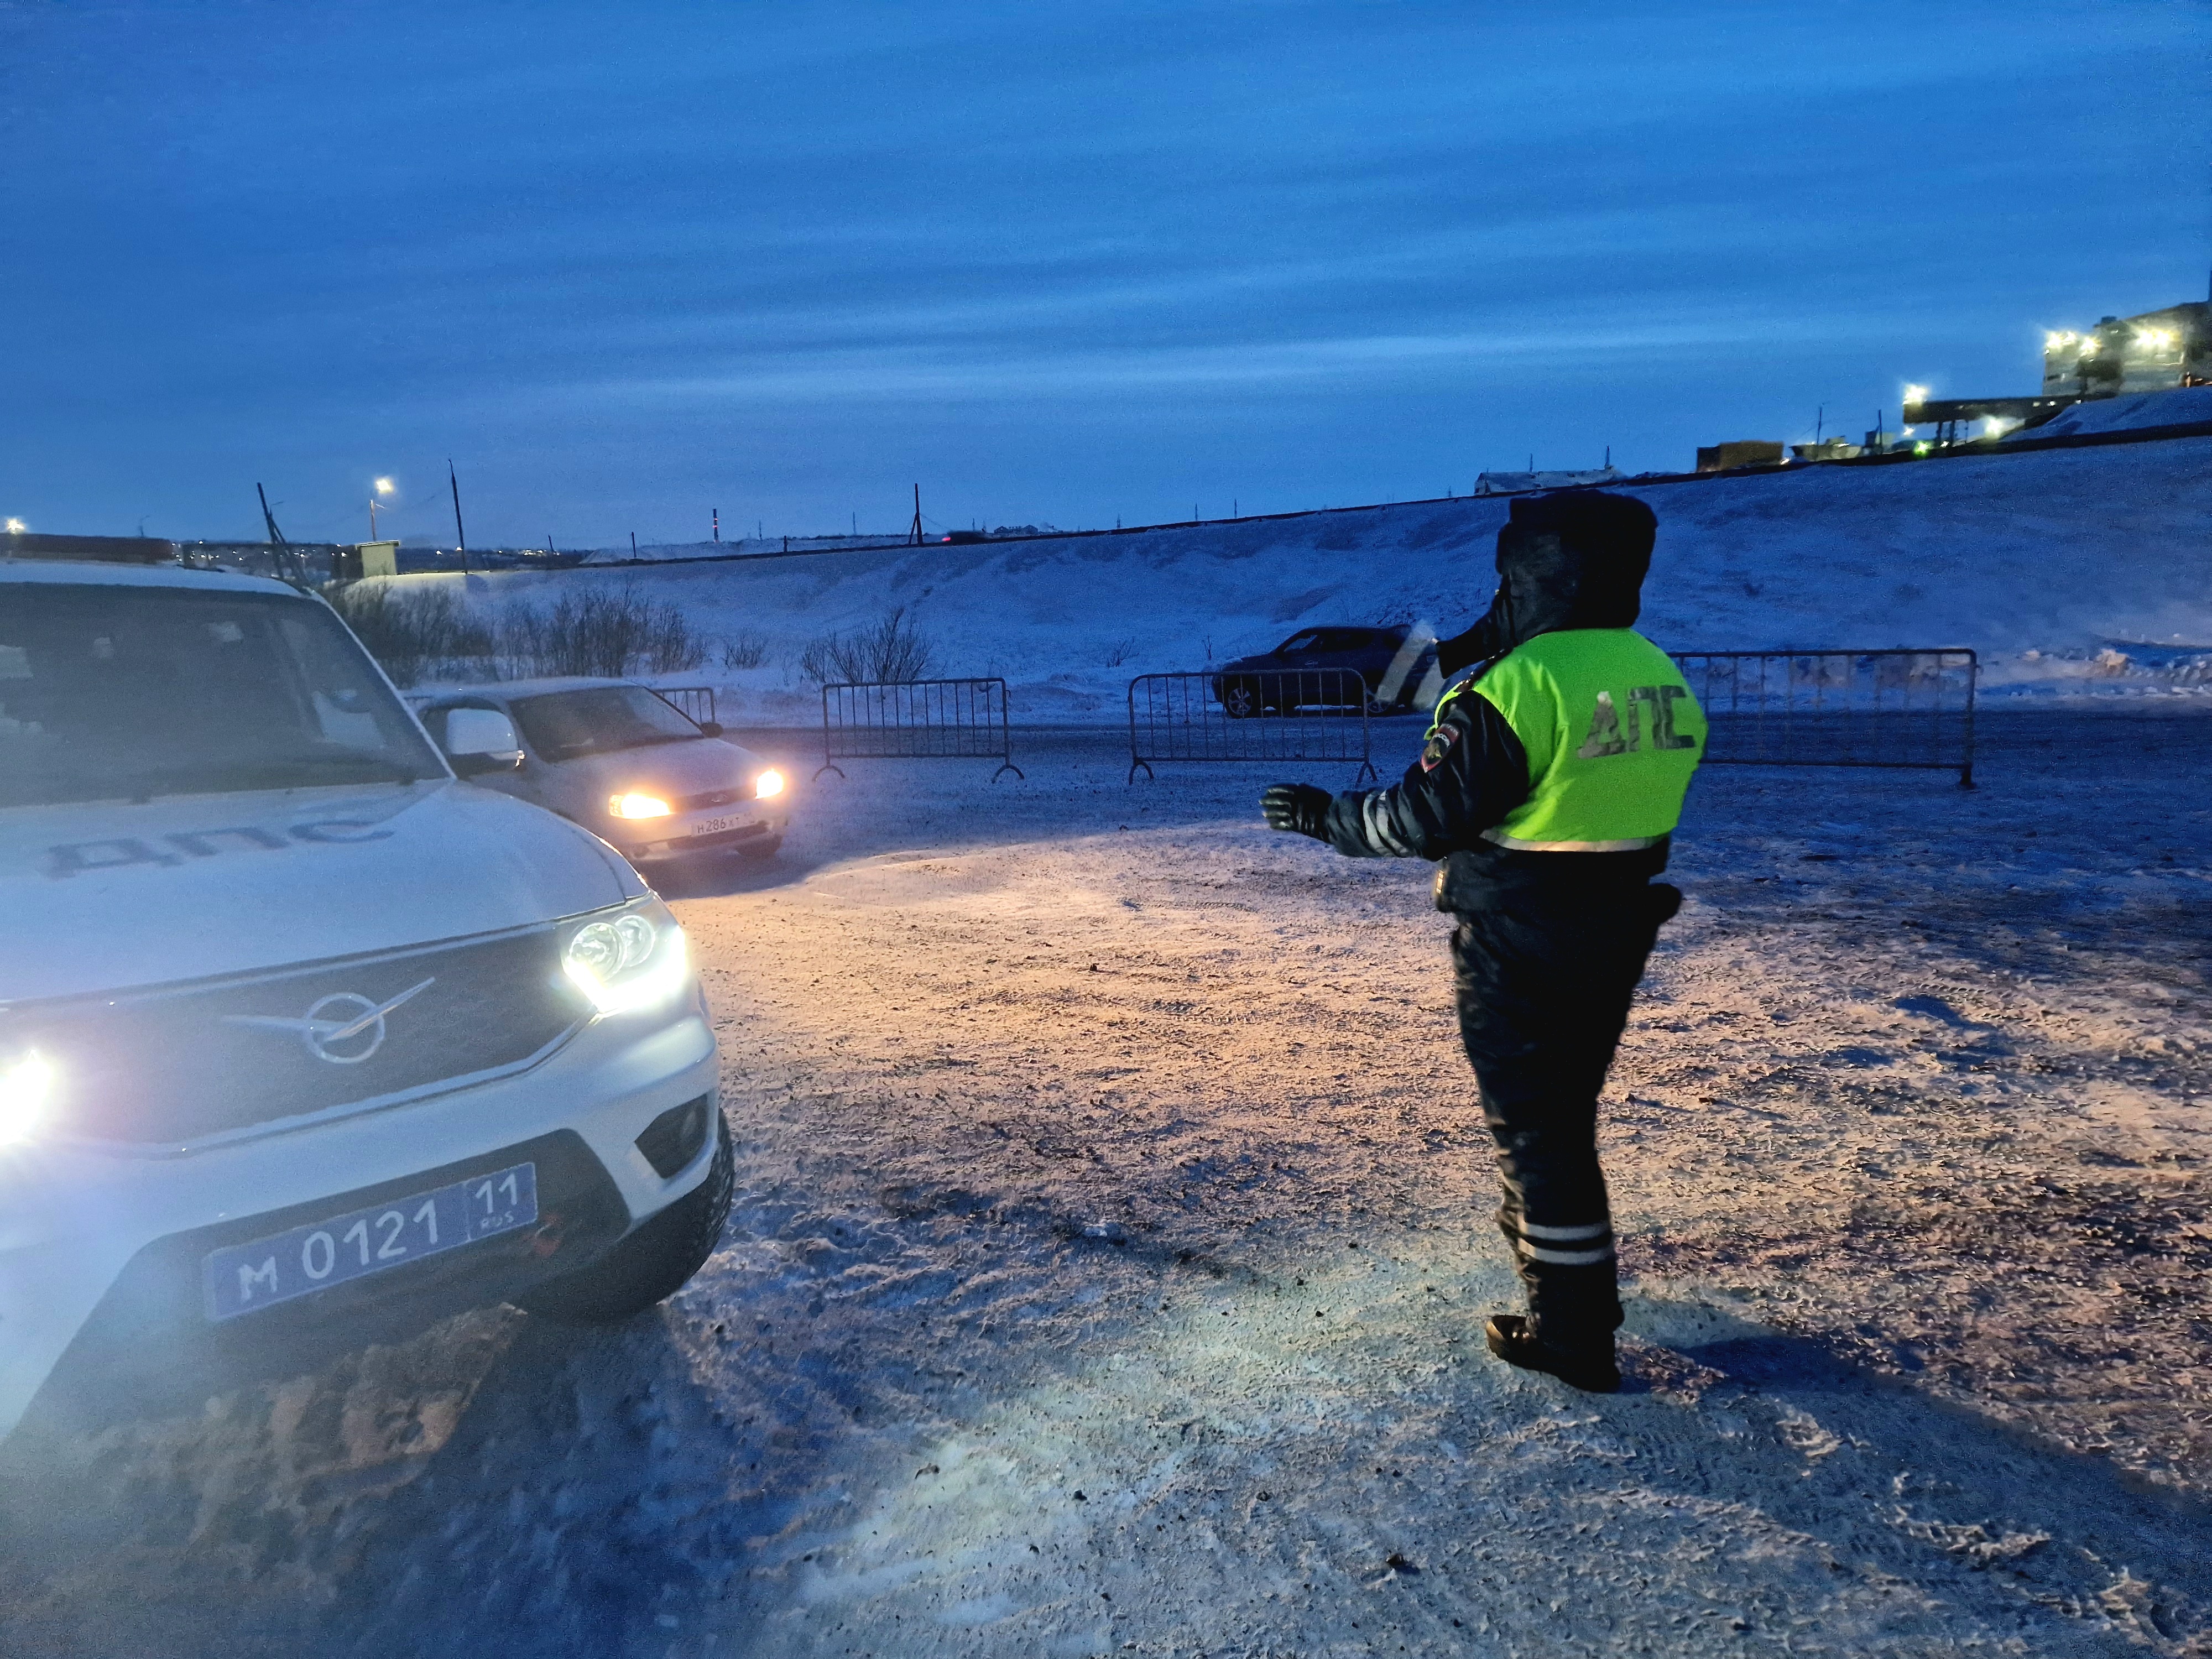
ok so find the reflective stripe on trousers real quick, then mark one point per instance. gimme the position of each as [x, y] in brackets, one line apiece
[1583, 1246]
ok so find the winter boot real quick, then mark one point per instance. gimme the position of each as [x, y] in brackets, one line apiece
[1592, 1369]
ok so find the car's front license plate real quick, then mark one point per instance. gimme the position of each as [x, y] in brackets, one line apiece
[720, 826]
[243, 1278]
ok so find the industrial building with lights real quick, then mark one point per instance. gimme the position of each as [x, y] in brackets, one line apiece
[2152, 351]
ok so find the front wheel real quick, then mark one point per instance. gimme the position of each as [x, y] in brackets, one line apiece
[652, 1263]
[1240, 700]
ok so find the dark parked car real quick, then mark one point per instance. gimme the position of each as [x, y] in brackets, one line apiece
[1323, 668]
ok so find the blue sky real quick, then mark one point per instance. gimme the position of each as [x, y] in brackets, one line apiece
[1057, 262]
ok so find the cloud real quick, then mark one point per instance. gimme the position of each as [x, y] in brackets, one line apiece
[329, 233]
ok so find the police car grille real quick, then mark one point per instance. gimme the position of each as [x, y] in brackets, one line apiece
[177, 1064]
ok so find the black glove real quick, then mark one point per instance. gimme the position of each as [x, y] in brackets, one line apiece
[1298, 806]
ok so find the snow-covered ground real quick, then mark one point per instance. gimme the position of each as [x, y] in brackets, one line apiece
[2042, 562]
[2180, 406]
[1112, 1243]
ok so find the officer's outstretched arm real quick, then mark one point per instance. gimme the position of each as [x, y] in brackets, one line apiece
[1472, 773]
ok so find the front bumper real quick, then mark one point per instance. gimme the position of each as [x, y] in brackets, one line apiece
[100, 1250]
[717, 830]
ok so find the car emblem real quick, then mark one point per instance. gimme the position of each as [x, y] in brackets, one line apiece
[344, 1028]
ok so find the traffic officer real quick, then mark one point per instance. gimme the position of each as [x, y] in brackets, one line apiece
[1547, 788]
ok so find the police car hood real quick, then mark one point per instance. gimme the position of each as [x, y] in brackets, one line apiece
[103, 896]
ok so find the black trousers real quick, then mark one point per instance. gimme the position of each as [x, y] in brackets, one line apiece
[1544, 983]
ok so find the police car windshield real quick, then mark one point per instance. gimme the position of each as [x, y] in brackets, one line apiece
[126, 693]
[564, 725]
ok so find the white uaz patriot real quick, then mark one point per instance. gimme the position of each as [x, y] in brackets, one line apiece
[305, 1041]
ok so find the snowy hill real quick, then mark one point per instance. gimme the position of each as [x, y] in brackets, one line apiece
[2181, 406]
[2041, 561]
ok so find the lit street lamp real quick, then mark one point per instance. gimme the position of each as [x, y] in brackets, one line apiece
[384, 487]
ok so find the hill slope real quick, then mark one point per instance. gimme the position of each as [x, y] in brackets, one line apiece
[2039, 561]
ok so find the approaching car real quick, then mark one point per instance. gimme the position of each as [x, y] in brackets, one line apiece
[1327, 668]
[304, 1042]
[630, 767]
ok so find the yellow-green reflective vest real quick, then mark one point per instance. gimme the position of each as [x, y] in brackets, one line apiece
[1612, 736]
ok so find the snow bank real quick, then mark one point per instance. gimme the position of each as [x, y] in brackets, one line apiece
[2179, 407]
[2040, 560]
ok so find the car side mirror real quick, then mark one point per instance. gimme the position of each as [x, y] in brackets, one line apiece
[712, 728]
[481, 740]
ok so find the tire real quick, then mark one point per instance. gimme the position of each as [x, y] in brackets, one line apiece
[1240, 700]
[652, 1263]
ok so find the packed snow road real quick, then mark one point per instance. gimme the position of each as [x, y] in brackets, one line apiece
[1112, 1246]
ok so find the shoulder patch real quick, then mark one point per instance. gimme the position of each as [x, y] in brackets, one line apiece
[1438, 745]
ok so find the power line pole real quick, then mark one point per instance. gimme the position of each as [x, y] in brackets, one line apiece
[459, 534]
[718, 524]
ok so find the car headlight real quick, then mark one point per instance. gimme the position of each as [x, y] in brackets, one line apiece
[27, 1088]
[634, 806]
[627, 959]
[768, 783]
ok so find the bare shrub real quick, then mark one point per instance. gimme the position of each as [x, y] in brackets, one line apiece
[746, 649]
[412, 631]
[889, 651]
[602, 634]
[1120, 652]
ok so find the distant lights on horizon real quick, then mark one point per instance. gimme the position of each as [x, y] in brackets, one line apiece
[14, 526]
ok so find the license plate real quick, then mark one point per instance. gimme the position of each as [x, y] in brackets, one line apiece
[717, 826]
[244, 1278]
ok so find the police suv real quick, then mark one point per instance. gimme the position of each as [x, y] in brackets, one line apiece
[304, 1042]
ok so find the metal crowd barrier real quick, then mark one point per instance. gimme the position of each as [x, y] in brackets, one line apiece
[1302, 715]
[696, 702]
[917, 720]
[1895, 707]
